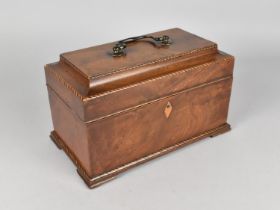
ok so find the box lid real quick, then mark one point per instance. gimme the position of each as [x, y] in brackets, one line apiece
[144, 59]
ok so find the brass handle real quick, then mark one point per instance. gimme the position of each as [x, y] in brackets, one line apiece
[119, 48]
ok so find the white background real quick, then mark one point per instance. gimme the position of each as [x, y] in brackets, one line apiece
[238, 170]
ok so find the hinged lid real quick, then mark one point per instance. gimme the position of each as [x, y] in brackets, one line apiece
[144, 59]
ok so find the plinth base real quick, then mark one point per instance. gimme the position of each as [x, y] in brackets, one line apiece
[96, 181]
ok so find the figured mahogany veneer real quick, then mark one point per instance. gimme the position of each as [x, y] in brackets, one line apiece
[110, 114]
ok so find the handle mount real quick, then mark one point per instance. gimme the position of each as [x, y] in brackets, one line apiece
[119, 48]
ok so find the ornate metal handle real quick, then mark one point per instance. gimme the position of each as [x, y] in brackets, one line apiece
[119, 48]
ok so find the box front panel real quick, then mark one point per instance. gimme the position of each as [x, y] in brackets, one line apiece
[143, 92]
[133, 134]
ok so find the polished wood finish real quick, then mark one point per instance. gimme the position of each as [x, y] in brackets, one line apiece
[110, 114]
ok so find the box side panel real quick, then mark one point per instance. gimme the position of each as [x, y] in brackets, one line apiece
[120, 139]
[70, 129]
[69, 86]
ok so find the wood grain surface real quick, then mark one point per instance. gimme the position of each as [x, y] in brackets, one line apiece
[112, 114]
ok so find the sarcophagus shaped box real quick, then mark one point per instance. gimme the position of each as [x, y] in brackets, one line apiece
[120, 104]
